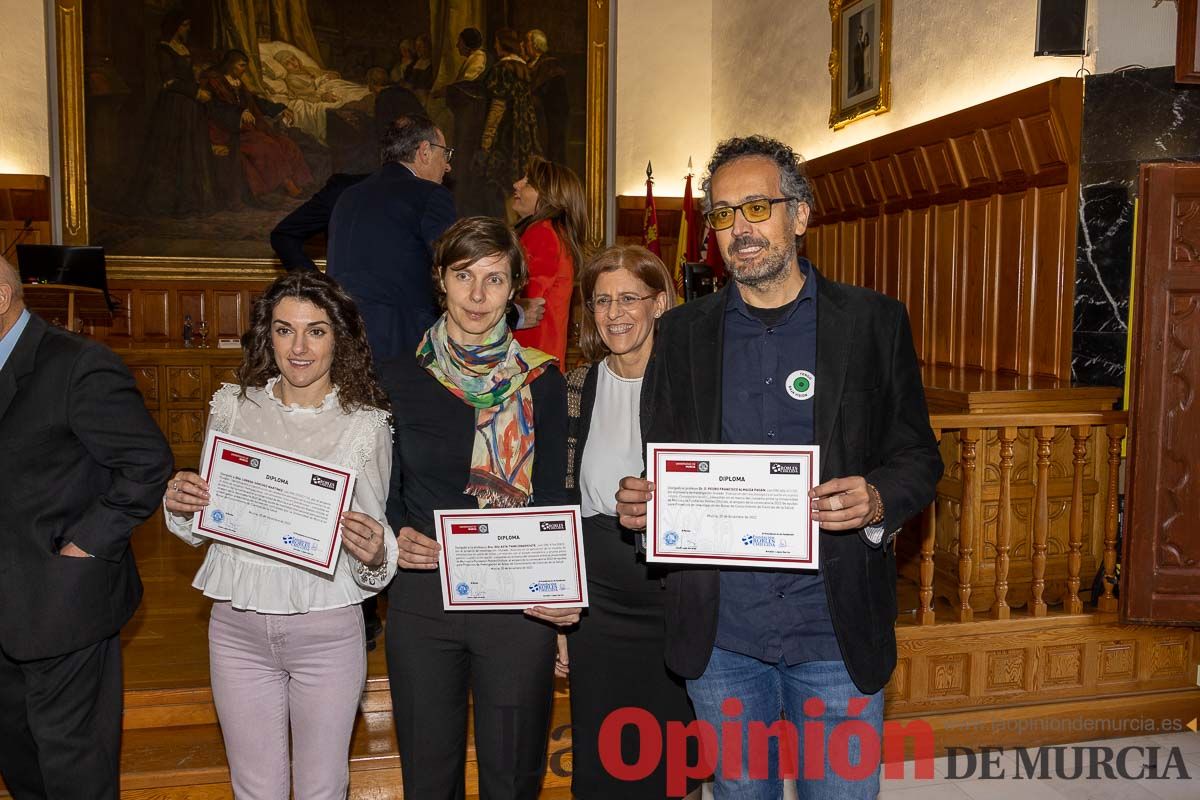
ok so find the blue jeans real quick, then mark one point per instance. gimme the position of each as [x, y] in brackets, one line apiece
[832, 738]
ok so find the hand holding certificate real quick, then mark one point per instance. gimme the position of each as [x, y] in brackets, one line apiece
[512, 558]
[732, 505]
[279, 504]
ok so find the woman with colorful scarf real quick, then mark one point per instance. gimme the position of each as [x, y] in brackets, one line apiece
[480, 422]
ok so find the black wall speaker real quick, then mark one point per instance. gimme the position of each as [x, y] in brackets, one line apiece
[1061, 28]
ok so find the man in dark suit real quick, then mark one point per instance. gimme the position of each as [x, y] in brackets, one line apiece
[83, 464]
[310, 219]
[784, 356]
[382, 233]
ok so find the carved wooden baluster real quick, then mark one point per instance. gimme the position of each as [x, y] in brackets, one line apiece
[1080, 433]
[967, 439]
[1004, 522]
[1115, 434]
[1041, 519]
[925, 614]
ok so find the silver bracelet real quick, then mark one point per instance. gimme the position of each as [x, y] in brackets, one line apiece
[371, 576]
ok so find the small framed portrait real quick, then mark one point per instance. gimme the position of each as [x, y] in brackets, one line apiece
[859, 61]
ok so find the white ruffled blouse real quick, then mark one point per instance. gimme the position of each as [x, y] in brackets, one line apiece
[361, 440]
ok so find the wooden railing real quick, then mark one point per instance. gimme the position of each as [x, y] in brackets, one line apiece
[1090, 459]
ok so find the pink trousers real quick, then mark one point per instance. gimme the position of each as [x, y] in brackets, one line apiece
[275, 673]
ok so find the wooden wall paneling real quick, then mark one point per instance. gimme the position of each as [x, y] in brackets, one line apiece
[152, 317]
[1004, 152]
[973, 164]
[887, 170]
[944, 317]
[891, 255]
[975, 328]
[914, 173]
[826, 196]
[867, 184]
[917, 227]
[849, 251]
[870, 242]
[1052, 296]
[1043, 143]
[227, 307]
[848, 190]
[1010, 292]
[943, 173]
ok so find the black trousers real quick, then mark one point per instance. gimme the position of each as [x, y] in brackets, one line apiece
[506, 661]
[60, 724]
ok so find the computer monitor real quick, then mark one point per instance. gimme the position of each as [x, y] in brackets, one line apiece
[63, 264]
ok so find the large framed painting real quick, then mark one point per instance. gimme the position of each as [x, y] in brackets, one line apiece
[189, 128]
[860, 59]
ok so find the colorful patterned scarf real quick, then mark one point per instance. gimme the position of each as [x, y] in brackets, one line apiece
[494, 378]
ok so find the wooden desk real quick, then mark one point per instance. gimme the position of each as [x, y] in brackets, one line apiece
[63, 304]
[177, 384]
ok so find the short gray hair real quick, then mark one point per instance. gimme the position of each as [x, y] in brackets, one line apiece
[404, 136]
[537, 40]
[792, 180]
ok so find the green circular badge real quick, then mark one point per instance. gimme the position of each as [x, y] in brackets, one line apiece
[800, 384]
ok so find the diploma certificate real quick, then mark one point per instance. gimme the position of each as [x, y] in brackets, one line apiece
[279, 504]
[732, 505]
[511, 558]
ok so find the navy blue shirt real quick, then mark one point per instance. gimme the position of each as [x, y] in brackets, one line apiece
[766, 614]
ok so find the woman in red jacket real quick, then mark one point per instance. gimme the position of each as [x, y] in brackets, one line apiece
[549, 200]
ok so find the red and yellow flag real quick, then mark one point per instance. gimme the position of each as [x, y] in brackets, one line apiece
[689, 237]
[650, 217]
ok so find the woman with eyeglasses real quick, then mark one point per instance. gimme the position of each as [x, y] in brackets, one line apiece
[549, 199]
[480, 422]
[615, 656]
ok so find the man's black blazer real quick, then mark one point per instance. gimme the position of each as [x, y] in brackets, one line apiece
[309, 219]
[871, 420]
[381, 251]
[83, 463]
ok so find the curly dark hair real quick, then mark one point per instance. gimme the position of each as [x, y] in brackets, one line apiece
[352, 372]
[792, 180]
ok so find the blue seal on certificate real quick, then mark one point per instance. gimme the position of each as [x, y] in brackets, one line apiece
[462, 589]
[671, 538]
[218, 516]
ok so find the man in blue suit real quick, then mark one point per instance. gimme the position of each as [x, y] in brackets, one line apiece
[382, 233]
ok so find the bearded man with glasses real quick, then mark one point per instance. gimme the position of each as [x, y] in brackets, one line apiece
[783, 355]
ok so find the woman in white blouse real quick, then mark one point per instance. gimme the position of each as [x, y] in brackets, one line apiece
[286, 645]
[615, 657]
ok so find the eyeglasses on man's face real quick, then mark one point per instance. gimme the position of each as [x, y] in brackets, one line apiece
[450, 152]
[602, 302]
[721, 217]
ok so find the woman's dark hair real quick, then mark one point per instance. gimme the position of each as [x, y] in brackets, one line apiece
[472, 38]
[471, 239]
[172, 22]
[352, 371]
[642, 264]
[403, 138]
[560, 200]
[231, 58]
[509, 41]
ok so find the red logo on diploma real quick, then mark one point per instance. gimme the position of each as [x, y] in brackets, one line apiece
[239, 458]
[687, 466]
[467, 528]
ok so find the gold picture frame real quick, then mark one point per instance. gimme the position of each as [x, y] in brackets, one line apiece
[859, 60]
[73, 147]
